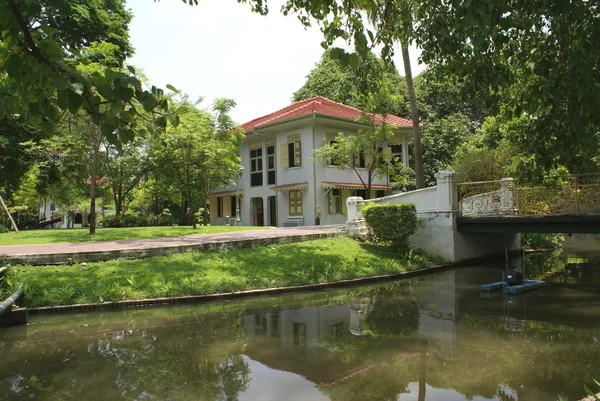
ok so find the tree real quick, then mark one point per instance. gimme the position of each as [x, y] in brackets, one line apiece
[125, 168]
[197, 155]
[41, 49]
[538, 59]
[348, 85]
[441, 139]
[361, 153]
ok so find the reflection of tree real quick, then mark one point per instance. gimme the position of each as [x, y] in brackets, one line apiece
[539, 362]
[395, 316]
[176, 362]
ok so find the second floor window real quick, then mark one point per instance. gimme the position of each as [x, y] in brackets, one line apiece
[295, 153]
[256, 167]
[360, 159]
[270, 164]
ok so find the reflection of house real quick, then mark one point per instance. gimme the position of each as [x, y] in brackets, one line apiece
[281, 182]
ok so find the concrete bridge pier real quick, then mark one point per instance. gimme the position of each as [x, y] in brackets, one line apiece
[437, 233]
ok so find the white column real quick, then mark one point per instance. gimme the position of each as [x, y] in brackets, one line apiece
[404, 151]
[353, 207]
[446, 190]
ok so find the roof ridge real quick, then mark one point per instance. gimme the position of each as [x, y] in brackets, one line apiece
[322, 105]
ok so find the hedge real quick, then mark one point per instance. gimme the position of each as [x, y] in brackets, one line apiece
[132, 220]
[391, 223]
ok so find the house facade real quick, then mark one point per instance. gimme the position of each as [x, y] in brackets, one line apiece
[281, 184]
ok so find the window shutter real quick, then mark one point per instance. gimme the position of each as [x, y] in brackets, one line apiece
[283, 155]
[213, 207]
[345, 195]
[226, 205]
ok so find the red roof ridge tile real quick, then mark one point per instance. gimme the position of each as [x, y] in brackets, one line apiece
[324, 106]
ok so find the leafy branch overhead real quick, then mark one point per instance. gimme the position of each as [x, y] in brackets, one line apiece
[45, 51]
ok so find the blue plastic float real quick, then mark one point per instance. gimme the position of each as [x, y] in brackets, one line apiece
[527, 285]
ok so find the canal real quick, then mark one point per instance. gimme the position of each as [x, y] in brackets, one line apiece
[434, 337]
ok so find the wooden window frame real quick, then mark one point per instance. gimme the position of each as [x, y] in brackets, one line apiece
[335, 196]
[257, 171]
[295, 203]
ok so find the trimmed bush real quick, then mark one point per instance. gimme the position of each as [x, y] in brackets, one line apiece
[132, 220]
[392, 224]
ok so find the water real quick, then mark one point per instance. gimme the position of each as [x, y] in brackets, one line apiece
[431, 338]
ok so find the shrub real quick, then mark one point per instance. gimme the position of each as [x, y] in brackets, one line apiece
[132, 220]
[3, 228]
[391, 223]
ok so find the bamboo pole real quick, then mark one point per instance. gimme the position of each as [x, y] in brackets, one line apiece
[9, 216]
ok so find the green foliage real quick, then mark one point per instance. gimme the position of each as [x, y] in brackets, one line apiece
[537, 59]
[391, 223]
[132, 220]
[540, 240]
[393, 316]
[46, 48]
[351, 85]
[441, 139]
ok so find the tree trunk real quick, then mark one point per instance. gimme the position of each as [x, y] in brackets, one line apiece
[93, 187]
[414, 115]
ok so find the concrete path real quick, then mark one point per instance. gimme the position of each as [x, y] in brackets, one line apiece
[59, 253]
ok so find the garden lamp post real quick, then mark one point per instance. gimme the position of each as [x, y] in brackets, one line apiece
[238, 175]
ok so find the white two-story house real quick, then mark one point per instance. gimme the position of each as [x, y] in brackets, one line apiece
[281, 183]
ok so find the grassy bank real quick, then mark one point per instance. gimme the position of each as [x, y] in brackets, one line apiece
[108, 234]
[208, 272]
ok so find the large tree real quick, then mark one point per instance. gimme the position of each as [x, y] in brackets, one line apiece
[197, 155]
[42, 46]
[539, 59]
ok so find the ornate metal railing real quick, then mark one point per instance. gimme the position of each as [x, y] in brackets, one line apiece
[485, 198]
[574, 194]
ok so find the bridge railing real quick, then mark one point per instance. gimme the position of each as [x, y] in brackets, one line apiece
[573, 194]
[488, 198]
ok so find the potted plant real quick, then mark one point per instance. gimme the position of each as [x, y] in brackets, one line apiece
[317, 215]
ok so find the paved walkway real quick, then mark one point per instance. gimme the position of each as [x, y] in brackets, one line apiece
[137, 248]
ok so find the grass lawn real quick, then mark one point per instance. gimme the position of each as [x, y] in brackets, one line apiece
[208, 272]
[108, 234]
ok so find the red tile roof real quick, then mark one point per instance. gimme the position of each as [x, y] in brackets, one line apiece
[324, 106]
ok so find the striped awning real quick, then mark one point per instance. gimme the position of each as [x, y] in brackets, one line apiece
[226, 193]
[300, 186]
[350, 185]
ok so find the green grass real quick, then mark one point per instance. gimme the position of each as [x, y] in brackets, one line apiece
[208, 272]
[108, 234]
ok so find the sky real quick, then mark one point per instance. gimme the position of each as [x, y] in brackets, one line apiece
[221, 49]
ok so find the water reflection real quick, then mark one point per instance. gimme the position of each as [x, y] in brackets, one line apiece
[431, 338]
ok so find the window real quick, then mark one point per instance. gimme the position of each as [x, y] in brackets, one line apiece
[219, 207]
[260, 325]
[331, 141]
[299, 334]
[295, 153]
[256, 167]
[335, 201]
[360, 192]
[232, 206]
[380, 193]
[360, 159]
[275, 324]
[295, 199]
[290, 153]
[270, 164]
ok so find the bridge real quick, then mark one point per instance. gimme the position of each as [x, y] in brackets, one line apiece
[460, 221]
